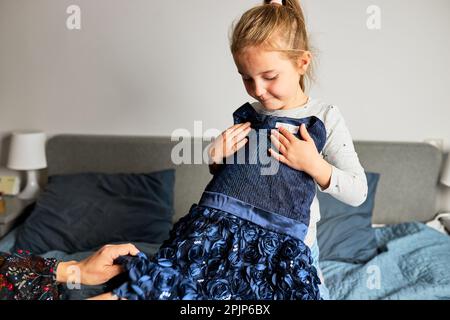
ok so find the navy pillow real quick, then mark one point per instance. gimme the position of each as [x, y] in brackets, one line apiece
[82, 212]
[345, 233]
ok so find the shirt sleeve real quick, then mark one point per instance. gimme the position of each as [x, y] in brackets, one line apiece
[348, 180]
[24, 276]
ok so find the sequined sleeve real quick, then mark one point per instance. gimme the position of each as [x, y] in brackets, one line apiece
[24, 276]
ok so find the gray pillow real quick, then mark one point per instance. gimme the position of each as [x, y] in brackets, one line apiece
[82, 212]
[345, 233]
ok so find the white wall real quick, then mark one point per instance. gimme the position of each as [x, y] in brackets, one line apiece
[146, 67]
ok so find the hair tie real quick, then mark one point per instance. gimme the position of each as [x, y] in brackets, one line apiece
[280, 2]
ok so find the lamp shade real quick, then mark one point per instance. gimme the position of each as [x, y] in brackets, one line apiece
[27, 151]
[445, 177]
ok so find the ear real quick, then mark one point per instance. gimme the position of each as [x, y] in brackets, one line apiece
[304, 61]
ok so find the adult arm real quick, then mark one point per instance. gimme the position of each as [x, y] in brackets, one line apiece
[96, 269]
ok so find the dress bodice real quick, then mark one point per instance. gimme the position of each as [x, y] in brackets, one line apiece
[253, 177]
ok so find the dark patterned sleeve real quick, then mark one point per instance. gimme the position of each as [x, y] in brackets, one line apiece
[24, 276]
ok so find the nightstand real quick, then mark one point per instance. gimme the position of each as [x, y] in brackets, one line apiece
[14, 207]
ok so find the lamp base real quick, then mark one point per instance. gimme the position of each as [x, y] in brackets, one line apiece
[32, 189]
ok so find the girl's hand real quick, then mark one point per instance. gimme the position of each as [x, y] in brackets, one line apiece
[229, 142]
[297, 154]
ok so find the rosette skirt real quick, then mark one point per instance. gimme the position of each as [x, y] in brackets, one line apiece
[215, 255]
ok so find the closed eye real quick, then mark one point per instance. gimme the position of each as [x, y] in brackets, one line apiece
[268, 79]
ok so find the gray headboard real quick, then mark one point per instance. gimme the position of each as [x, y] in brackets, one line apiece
[407, 189]
[409, 177]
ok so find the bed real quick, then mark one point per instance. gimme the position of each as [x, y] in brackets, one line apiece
[412, 261]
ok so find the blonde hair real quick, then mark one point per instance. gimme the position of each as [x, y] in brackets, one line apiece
[275, 27]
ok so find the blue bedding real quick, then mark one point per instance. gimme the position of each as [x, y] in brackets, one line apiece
[413, 263]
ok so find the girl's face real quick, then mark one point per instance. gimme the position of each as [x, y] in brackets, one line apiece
[271, 78]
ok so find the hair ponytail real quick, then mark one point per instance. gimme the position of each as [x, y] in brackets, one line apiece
[294, 5]
[276, 27]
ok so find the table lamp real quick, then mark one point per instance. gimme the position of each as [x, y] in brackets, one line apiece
[27, 153]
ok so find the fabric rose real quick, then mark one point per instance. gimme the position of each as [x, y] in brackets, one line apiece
[219, 289]
[256, 273]
[213, 232]
[251, 254]
[197, 270]
[239, 287]
[218, 249]
[197, 252]
[264, 291]
[234, 260]
[164, 283]
[249, 234]
[216, 267]
[197, 227]
[290, 249]
[188, 290]
[268, 243]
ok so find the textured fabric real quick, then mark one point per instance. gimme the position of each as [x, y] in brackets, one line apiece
[254, 177]
[24, 276]
[268, 220]
[83, 212]
[348, 182]
[414, 265]
[214, 255]
[345, 233]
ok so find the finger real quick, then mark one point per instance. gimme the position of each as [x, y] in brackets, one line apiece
[281, 148]
[304, 133]
[239, 126]
[240, 144]
[279, 157]
[242, 134]
[228, 134]
[236, 137]
[123, 250]
[128, 249]
[287, 134]
[284, 141]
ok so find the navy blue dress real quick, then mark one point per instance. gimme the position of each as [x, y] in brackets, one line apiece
[244, 240]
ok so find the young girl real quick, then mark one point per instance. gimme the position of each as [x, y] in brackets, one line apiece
[271, 50]
[253, 234]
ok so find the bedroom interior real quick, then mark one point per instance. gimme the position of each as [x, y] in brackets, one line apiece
[108, 105]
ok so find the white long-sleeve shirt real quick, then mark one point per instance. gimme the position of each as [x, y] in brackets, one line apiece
[348, 180]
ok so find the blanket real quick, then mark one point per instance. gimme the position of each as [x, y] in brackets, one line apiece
[413, 263]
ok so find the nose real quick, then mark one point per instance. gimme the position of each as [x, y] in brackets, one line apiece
[260, 89]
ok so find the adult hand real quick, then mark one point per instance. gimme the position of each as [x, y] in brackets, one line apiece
[96, 269]
[229, 142]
